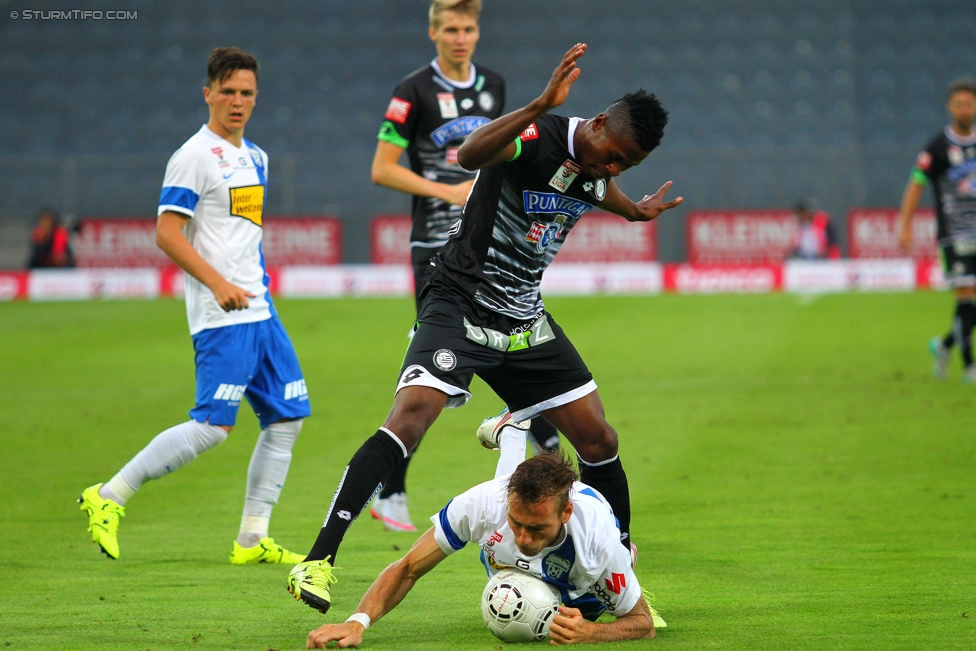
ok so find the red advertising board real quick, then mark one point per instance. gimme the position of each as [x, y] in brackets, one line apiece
[602, 237]
[739, 236]
[110, 243]
[873, 233]
[597, 237]
[390, 239]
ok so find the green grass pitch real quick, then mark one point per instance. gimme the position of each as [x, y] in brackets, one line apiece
[799, 480]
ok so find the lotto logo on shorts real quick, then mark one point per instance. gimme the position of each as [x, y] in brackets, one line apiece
[398, 110]
[295, 389]
[229, 392]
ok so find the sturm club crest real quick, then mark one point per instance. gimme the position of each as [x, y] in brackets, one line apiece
[445, 359]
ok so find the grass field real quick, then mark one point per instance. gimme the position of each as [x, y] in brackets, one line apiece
[798, 478]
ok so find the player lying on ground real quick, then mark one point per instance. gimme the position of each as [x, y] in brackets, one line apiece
[539, 519]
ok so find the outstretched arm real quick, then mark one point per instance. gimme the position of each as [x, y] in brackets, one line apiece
[388, 590]
[645, 210]
[569, 627]
[494, 143]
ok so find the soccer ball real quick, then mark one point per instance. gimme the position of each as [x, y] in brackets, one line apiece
[518, 607]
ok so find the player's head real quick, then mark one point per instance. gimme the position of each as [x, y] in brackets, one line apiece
[538, 500]
[454, 29]
[962, 102]
[623, 135]
[232, 88]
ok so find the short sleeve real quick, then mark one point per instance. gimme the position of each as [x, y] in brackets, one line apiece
[462, 520]
[185, 181]
[617, 587]
[401, 117]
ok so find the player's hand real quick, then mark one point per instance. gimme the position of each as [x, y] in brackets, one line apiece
[568, 627]
[231, 297]
[653, 205]
[456, 195]
[345, 635]
[563, 77]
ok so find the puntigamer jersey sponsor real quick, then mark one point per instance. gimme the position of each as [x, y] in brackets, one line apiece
[430, 116]
[949, 162]
[222, 189]
[517, 217]
[587, 563]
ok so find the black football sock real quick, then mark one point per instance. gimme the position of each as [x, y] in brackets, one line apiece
[397, 483]
[367, 471]
[545, 434]
[609, 478]
[964, 333]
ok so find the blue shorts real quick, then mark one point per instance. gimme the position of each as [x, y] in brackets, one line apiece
[253, 360]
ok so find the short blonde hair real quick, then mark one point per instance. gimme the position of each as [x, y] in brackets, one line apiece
[467, 7]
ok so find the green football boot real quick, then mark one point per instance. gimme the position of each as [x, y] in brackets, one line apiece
[266, 551]
[103, 519]
[310, 580]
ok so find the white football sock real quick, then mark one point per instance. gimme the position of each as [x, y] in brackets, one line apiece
[511, 445]
[266, 477]
[169, 451]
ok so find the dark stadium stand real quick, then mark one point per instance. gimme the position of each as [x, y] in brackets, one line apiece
[769, 100]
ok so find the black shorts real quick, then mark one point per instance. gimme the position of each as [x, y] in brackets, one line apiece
[420, 257]
[960, 268]
[531, 365]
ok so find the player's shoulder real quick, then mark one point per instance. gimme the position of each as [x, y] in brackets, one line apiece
[422, 76]
[254, 149]
[491, 77]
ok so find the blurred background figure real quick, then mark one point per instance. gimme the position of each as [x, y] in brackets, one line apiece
[50, 242]
[814, 238]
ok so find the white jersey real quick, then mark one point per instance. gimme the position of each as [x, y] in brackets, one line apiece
[587, 563]
[221, 188]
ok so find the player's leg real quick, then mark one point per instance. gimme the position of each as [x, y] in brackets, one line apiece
[550, 378]
[965, 320]
[279, 397]
[391, 507]
[222, 374]
[435, 375]
[586, 428]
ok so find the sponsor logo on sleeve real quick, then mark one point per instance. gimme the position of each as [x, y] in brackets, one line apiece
[565, 175]
[616, 582]
[398, 110]
[924, 161]
[447, 105]
[248, 202]
[531, 133]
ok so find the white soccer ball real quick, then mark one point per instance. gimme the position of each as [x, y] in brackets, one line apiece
[518, 607]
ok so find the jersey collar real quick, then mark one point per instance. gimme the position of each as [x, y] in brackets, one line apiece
[457, 84]
[964, 141]
[573, 123]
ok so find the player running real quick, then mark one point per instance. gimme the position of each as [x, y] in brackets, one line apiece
[949, 163]
[210, 224]
[481, 311]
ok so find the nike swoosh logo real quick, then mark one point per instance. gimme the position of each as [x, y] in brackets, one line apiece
[227, 176]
